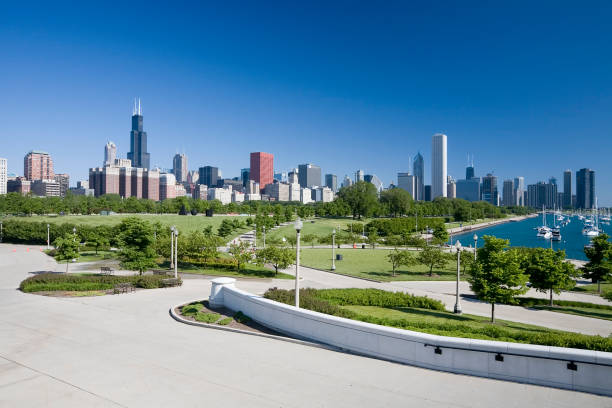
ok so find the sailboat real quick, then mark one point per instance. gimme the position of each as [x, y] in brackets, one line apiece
[591, 229]
[544, 231]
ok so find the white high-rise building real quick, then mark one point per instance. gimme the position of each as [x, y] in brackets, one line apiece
[3, 176]
[438, 166]
[110, 154]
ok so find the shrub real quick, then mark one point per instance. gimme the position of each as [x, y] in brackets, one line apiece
[192, 309]
[607, 295]
[57, 281]
[226, 321]
[531, 302]
[207, 317]
[241, 317]
[397, 226]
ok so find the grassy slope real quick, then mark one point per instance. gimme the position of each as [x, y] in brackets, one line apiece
[437, 317]
[578, 310]
[320, 227]
[372, 264]
[185, 223]
[592, 288]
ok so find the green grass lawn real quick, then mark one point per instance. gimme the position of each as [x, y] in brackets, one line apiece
[433, 321]
[592, 288]
[91, 256]
[320, 227]
[372, 264]
[184, 223]
[250, 271]
[578, 310]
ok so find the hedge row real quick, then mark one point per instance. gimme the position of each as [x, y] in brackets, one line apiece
[377, 297]
[67, 282]
[396, 226]
[33, 232]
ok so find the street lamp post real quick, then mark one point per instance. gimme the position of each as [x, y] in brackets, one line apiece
[176, 233]
[457, 303]
[172, 229]
[1, 232]
[255, 237]
[264, 237]
[475, 242]
[333, 268]
[298, 228]
[48, 243]
[74, 233]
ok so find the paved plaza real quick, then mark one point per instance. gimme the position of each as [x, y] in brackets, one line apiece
[126, 350]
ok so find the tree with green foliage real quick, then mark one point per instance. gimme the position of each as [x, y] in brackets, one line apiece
[361, 197]
[497, 276]
[440, 234]
[398, 258]
[241, 253]
[97, 241]
[66, 249]
[398, 201]
[432, 257]
[373, 238]
[136, 241]
[309, 238]
[599, 267]
[548, 271]
[279, 257]
[225, 228]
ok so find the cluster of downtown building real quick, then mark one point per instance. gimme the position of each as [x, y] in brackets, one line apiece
[514, 192]
[133, 177]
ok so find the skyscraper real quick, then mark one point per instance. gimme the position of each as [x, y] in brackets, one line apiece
[489, 189]
[179, 168]
[262, 168]
[585, 188]
[359, 175]
[438, 166]
[138, 140]
[309, 175]
[519, 191]
[331, 181]
[3, 176]
[209, 176]
[567, 189]
[418, 168]
[373, 179]
[38, 165]
[509, 198]
[406, 181]
[110, 154]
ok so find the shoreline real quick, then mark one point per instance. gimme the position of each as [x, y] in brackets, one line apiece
[474, 227]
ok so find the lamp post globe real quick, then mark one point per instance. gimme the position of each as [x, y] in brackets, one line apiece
[457, 308]
[298, 227]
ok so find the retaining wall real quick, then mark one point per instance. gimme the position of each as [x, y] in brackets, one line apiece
[574, 369]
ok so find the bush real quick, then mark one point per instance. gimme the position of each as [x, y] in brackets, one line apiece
[67, 282]
[377, 297]
[396, 226]
[225, 322]
[241, 317]
[607, 295]
[207, 317]
[192, 309]
[531, 302]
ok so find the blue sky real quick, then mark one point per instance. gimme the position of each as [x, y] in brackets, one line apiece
[526, 87]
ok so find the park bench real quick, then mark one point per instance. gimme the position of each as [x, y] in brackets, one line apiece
[166, 283]
[107, 270]
[123, 288]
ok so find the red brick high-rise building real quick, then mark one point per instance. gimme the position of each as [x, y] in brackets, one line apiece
[262, 168]
[38, 166]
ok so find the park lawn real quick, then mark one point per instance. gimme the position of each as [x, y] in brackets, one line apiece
[91, 256]
[434, 322]
[592, 288]
[373, 264]
[320, 227]
[184, 223]
[578, 310]
[249, 271]
[472, 222]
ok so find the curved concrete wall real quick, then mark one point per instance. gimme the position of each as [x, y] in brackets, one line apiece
[581, 370]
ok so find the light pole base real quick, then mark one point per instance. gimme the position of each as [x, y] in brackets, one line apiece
[333, 268]
[457, 309]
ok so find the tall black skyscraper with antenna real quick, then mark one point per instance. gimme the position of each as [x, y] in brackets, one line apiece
[138, 140]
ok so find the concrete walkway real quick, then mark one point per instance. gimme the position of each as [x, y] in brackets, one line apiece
[126, 351]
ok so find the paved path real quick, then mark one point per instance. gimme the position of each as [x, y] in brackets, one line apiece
[126, 351]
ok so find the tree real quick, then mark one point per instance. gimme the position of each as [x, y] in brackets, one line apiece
[432, 257]
[440, 234]
[497, 277]
[225, 228]
[241, 253]
[361, 197]
[398, 201]
[279, 257]
[548, 271]
[599, 266]
[137, 244]
[399, 258]
[309, 238]
[373, 238]
[66, 249]
[96, 240]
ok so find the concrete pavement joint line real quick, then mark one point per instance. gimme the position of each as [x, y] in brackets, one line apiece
[251, 333]
[62, 381]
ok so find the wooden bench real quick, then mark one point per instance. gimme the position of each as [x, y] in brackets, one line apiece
[123, 288]
[166, 283]
[107, 270]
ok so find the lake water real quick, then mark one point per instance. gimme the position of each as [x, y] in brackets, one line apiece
[523, 234]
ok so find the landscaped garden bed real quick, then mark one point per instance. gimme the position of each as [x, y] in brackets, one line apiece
[422, 314]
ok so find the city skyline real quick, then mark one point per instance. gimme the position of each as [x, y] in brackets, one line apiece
[198, 98]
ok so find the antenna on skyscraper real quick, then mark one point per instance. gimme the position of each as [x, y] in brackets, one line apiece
[134, 109]
[139, 111]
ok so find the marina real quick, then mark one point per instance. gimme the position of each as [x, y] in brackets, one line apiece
[542, 231]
